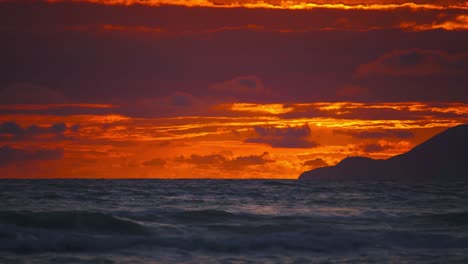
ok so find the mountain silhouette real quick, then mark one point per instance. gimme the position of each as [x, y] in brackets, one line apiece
[444, 156]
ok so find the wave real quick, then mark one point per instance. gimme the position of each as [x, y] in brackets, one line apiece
[23, 240]
[77, 221]
[207, 215]
[67, 231]
[213, 231]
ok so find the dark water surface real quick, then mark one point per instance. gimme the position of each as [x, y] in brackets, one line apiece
[232, 221]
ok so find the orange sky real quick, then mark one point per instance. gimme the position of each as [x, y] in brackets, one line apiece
[223, 89]
[242, 140]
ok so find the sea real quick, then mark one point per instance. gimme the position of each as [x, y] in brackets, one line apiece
[232, 221]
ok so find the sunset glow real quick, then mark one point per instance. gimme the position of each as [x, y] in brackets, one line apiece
[223, 89]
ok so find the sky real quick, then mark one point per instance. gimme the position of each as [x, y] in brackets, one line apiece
[221, 88]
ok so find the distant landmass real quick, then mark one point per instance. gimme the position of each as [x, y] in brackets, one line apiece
[444, 156]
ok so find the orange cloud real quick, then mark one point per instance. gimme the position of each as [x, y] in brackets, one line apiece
[225, 146]
[342, 108]
[260, 108]
[293, 5]
[459, 22]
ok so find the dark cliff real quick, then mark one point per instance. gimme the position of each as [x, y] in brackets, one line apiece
[443, 156]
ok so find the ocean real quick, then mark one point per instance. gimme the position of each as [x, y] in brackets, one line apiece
[232, 221]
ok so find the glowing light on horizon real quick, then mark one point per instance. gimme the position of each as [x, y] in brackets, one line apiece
[113, 145]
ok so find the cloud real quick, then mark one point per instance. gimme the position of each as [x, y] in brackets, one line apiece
[384, 146]
[424, 75]
[57, 109]
[317, 162]
[372, 111]
[283, 137]
[295, 67]
[372, 148]
[242, 85]
[154, 162]
[414, 62]
[12, 130]
[28, 93]
[9, 155]
[274, 109]
[245, 161]
[458, 22]
[75, 128]
[220, 161]
[294, 5]
[403, 134]
[180, 100]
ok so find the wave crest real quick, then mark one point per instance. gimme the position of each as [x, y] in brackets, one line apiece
[76, 221]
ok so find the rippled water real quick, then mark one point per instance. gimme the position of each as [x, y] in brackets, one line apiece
[139, 221]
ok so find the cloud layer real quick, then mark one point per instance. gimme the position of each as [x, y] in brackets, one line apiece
[221, 162]
[288, 137]
[10, 155]
[229, 89]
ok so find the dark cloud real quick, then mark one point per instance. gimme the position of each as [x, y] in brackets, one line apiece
[371, 148]
[154, 162]
[220, 161]
[9, 155]
[242, 85]
[403, 134]
[75, 128]
[12, 130]
[58, 128]
[317, 162]
[181, 100]
[244, 161]
[287, 137]
[416, 75]
[415, 62]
